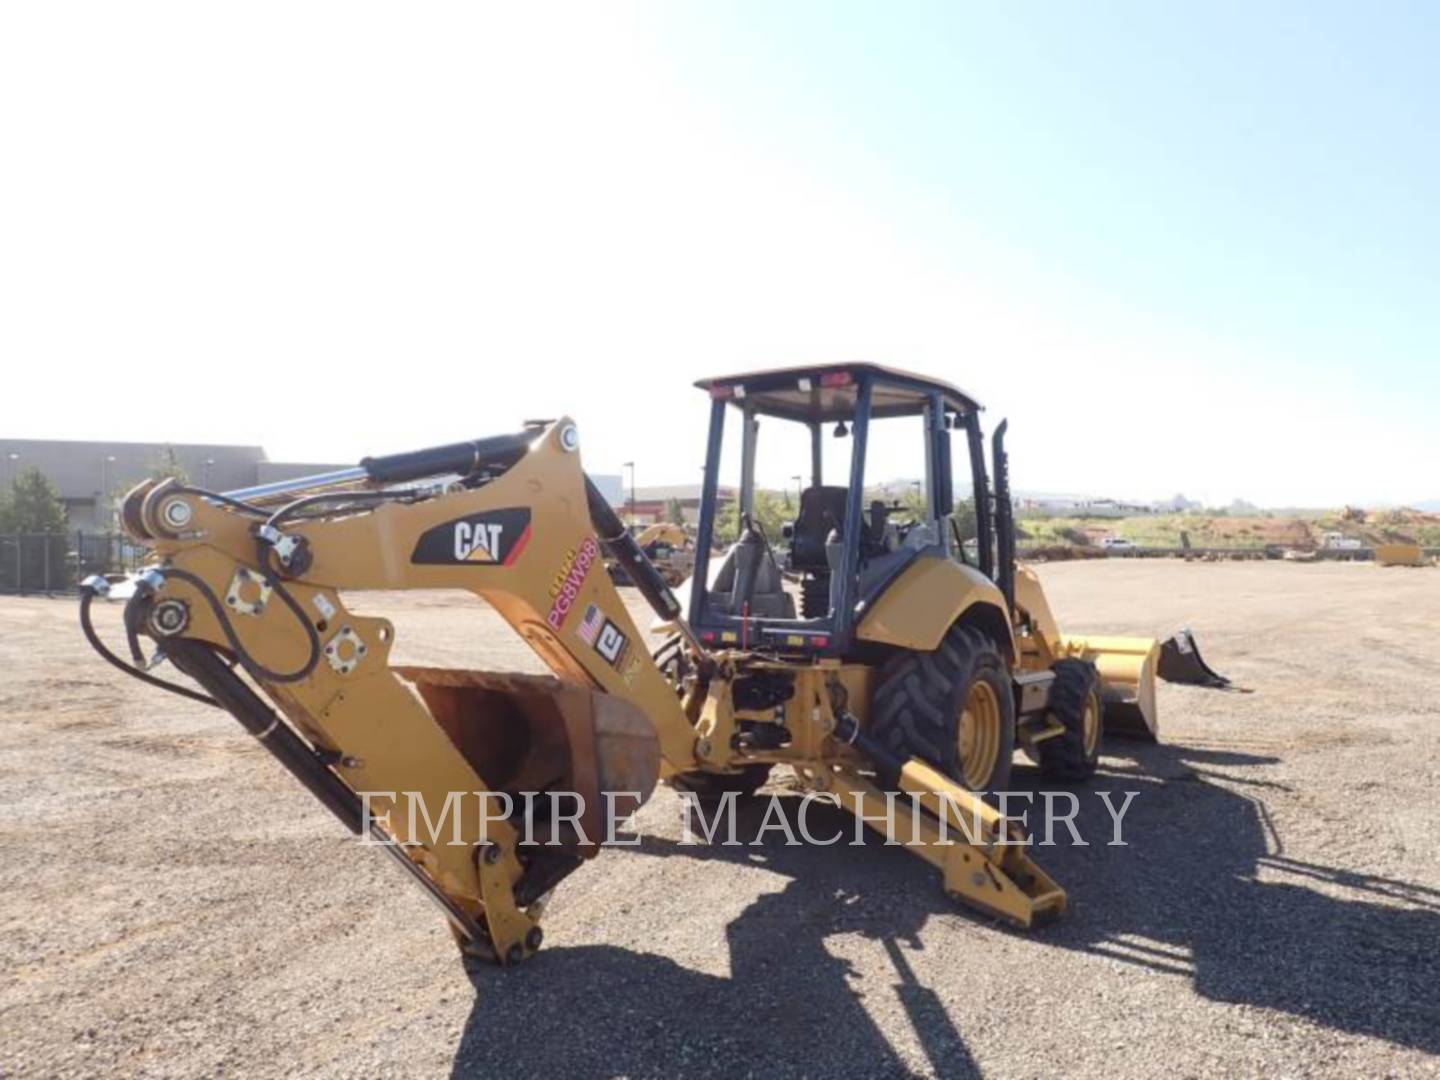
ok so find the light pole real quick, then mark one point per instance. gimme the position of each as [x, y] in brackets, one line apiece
[799, 490]
[10, 460]
[105, 463]
[205, 473]
[631, 466]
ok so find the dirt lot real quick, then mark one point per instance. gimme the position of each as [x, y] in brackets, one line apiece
[171, 903]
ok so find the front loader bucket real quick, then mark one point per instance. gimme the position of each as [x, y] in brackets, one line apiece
[1127, 667]
[1181, 662]
[531, 733]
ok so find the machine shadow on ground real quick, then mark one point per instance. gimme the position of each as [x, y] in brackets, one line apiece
[1186, 898]
[787, 1008]
[1181, 899]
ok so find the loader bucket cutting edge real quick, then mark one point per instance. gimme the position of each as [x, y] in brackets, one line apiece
[523, 733]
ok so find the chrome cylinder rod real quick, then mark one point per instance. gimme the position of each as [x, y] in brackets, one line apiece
[262, 492]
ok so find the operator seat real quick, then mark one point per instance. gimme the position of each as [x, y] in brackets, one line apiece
[749, 581]
[822, 509]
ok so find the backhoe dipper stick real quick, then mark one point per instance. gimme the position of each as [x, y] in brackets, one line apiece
[206, 668]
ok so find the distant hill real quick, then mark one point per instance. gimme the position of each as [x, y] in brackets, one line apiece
[1253, 530]
[1430, 506]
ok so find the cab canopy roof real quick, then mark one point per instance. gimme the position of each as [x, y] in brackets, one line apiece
[829, 392]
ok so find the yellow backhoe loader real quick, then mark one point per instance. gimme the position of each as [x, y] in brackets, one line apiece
[871, 656]
[667, 546]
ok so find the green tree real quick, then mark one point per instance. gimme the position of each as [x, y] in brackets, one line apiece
[33, 505]
[674, 511]
[966, 523]
[34, 552]
[167, 464]
[912, 502]
[770, 515]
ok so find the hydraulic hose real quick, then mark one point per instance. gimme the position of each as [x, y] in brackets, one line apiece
[87, 627]
[259, 670]
[290, 509]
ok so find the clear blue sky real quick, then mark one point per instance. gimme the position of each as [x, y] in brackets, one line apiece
[1183, 248]
[1259, 175]
[1262, 171]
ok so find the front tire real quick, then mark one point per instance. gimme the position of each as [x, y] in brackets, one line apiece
[1075, 703]
[952, 707]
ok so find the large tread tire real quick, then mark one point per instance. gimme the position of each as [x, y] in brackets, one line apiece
[1066, 757]
[712, 787]
[920, 695]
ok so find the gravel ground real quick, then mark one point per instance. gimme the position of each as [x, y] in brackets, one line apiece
[172, 904]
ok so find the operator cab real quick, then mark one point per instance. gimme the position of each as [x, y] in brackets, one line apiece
[846, 474]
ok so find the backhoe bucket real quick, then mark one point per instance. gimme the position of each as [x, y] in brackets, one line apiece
[1127, 667]
[1181, 662]
[530, 733]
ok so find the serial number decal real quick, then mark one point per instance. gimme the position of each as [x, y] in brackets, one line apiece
[568, 579]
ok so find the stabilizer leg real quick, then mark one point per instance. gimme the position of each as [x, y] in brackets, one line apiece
[980, 854]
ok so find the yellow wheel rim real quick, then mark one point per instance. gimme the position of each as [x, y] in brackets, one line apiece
[979, 736]
[1090, 725]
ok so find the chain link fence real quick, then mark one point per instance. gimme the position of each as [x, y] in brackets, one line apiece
[56, 562]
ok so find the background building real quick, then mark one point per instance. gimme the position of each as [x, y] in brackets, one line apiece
[91, 476]
[612, 486]
[651, 502]
[1079, 506]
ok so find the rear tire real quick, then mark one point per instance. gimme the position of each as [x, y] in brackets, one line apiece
[952, 707]
[1075, 703]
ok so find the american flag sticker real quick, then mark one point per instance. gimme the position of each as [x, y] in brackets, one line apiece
[589, 627]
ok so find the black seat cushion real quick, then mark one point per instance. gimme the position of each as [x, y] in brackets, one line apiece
[821, 510]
